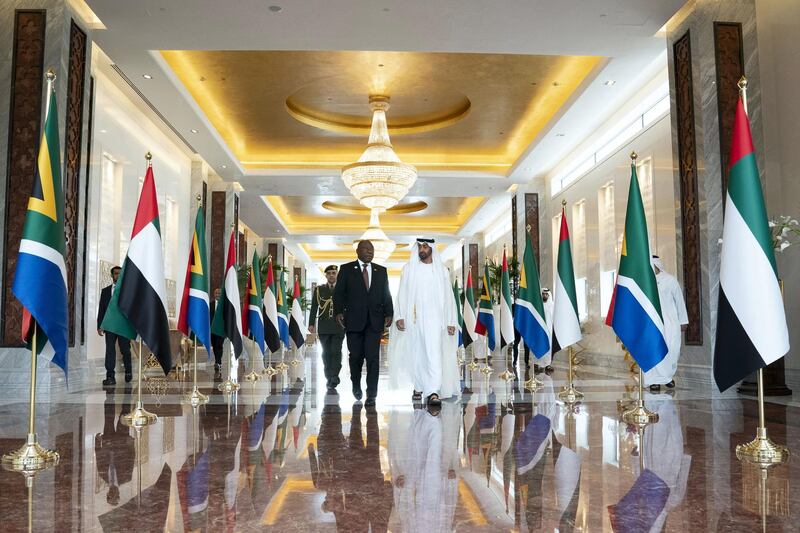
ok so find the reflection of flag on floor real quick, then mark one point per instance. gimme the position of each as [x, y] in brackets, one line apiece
[142, 289]
[470, 321]
[256, 429]
[485, 324]
[40, 277]
[638, 510]
[271, 334]
[751, 321]
[566, 323]
[297, 323]
[529, 310]
[193, 480]
[635, 313]
[567, 473]
[531, 443]
[153, 498]
[195, 316]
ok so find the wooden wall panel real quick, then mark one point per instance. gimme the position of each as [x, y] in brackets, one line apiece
[532, 220]
[72, 159]
[690, 203]
[218, 232]
[272, 250]
[473, 267]
[89, 129]
[24, 129]
[729, 56]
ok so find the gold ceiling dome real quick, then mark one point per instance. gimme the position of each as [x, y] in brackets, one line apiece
[379, 180]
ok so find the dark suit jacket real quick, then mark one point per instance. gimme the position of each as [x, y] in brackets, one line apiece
[105, 299]
[362, 309]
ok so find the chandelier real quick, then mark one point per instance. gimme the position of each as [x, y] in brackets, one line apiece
[379, 180]
[384, 246]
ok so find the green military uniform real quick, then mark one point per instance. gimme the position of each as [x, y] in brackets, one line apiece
[331, 335]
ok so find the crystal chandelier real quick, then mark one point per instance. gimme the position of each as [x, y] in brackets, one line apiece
[384, 246]
[379, 180]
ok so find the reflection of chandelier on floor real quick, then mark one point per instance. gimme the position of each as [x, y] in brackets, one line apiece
[384, 246]
[379, 180]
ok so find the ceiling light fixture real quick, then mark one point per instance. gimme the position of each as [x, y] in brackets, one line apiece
[224, 166]
[147, 76]
[193, 130]
[275, 9]
[379, 180]
[609, 83]
[384, 246]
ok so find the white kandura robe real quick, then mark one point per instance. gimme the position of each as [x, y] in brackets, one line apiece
[425, 354]
[673, 310]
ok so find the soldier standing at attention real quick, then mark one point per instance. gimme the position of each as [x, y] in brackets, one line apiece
[322, 322]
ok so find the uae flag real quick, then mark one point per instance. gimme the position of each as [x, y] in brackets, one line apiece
[506, 315]
[142, 290]
[566, 324]
[283, 311]
[468, 329]
[40, 277]
[297, 323]
[253, 325]
[271, 335]
[751, 321]
[229, 323]
[459, 312]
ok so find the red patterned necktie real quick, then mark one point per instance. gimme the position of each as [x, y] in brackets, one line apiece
[365, 275]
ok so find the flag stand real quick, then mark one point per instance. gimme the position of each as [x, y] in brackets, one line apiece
[139, 417]
[228, 386]
[569, 394]
[507, 374]
[196, 398]
[253, 375]
[640, 415]
[762, 450]
[532, 384]
[31, 457]
[486, 370]
[295, 361]
[270, 370]
[472, 366]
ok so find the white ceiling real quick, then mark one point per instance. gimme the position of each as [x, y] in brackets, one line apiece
[625, 31]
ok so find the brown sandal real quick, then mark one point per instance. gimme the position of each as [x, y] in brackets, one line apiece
[417, 396]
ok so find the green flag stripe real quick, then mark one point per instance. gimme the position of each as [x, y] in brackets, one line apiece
[744, 189]
[566, 273]
[532, 291]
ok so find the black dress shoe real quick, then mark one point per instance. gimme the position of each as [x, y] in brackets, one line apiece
[655, 388]
[358, 394]
[128, 377]
[670, 385]
[109, 381]
[370, 402]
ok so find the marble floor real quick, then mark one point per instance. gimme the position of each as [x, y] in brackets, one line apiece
[284, 455]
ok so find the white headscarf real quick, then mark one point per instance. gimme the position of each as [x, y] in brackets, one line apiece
[656, 262]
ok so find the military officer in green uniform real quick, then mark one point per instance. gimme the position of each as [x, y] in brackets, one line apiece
[322, 322]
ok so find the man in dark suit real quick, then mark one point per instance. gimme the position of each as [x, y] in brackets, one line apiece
[112, 339]
[322, 322]
[363, 307]
[216, 341]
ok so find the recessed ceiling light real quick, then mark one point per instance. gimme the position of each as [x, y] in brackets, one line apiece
[193, 130]
[275, 9]
[560, 134]
[380, 64]
[147, 76]
[224, 166]
[609, 83]
[102, 131]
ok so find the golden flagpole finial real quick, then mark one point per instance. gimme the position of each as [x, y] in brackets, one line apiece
[743, 92]
[528, 228]
[149, 157]
[50, 75]
[269, 257]
[199, 198]
[563, 203]
[742, 83]
[634, 156]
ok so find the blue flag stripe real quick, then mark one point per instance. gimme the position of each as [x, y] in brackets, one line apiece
[637, 331]
[531, 327]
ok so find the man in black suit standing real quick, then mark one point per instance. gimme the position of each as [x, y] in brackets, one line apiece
[363, 307]
[112, 339]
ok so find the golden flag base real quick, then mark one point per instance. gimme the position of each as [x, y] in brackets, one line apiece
[532, 384]
[196, 398]
[30, 457]
[228, 386]
[569, 394]
[139, 417]
[762, 450]
[640, 415]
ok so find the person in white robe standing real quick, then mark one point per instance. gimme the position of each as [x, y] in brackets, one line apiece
[549, 306]
[676, 320]
[423, 341]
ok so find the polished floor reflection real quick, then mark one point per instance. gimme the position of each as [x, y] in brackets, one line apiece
[284, 455]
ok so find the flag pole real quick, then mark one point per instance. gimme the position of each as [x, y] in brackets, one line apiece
[196, 398]
[270, 370]
[31, 457]
[506, 375]
[140, 417]
[760, 450]
[569, 394]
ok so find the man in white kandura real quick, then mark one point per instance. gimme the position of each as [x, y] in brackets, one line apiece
[423, 341]
[673, 310]
[549, 305]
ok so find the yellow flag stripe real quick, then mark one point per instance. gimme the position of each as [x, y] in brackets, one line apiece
[197, 265]
[47, 205]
